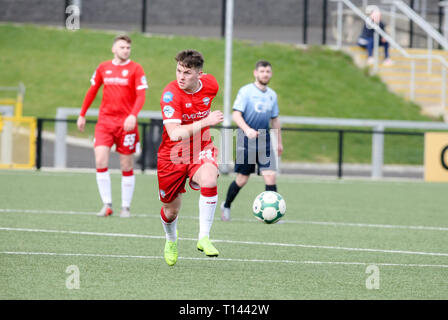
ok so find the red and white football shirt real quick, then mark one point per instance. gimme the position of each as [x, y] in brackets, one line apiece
[123, 92]
[181, 107]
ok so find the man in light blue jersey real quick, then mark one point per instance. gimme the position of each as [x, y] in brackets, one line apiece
[255, 109]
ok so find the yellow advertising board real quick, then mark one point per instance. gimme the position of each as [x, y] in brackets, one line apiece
[436, 156]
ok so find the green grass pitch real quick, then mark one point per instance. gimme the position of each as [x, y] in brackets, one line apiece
[334, 233]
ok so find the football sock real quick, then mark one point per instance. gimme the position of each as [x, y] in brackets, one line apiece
[271, 187]
[207, 206]
[127, 188]
[103, 181]
[170, 226]
[231, 194]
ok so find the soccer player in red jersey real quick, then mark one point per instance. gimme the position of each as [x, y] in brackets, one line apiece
[124, 84]
[187, 150]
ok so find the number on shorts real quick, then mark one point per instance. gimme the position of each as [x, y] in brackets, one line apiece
[129, 140]
[206, 154]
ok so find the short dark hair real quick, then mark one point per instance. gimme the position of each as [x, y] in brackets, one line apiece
[262, 63]
[123, 37]
[190, 59]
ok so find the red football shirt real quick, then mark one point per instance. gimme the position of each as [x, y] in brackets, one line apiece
[122, 85]
[182, 107]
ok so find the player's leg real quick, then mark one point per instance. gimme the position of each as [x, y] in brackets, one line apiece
[103, 179]
[171, 179]
[269, 177]
[267, 165]
[243, 172]
[127, 142]
[207, 177]
[233, 190]
[168, 216]
[127, 183]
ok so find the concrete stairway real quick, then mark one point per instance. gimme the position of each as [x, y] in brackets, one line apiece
[428, 86]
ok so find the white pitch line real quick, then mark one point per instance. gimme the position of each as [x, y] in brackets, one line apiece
[227, 259]
[324, 223]
[276, 244]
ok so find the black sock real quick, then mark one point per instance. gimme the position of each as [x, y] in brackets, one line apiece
[231, 194]
[271, 187]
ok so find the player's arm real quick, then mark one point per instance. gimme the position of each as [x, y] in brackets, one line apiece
[140, 96]
[237, 116]
[178, 132]
[96, 82]
[276, 125]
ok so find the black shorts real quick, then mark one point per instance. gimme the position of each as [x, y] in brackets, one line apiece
[256, 152]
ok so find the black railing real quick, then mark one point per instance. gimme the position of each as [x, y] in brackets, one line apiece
[309, 16]
[150, 139]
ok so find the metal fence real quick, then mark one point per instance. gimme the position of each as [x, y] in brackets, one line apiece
[291, 21]
[334, 139]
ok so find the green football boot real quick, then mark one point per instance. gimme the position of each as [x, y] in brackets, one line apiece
[207, 247]
[170, 252]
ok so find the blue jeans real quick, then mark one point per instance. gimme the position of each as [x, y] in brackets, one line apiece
[368, 44]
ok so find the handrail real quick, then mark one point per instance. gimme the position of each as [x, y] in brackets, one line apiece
[422, 23]
[394, 44]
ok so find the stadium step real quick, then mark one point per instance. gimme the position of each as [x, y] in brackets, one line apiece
[428, 77]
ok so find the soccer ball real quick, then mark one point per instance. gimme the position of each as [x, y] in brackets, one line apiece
[269, 207]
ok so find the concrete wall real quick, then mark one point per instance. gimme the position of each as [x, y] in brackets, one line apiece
[174, 12]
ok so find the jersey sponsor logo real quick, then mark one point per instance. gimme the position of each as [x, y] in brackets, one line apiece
[206, 100]
[197, 115]
[168, 111]
[167, 97]
[260, 107]
[124, 73]
[116, 81]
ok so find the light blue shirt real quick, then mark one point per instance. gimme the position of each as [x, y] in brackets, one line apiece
[257, 107]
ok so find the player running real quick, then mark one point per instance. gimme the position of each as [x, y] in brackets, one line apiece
[187, 151]
[123, 97]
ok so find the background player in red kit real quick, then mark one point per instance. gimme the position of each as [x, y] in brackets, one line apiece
[123, 97]
[187, 151]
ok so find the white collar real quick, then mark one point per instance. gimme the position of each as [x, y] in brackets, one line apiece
[121, 64]
[199, 89]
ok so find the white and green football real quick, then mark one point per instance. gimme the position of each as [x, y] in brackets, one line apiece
[269, 207]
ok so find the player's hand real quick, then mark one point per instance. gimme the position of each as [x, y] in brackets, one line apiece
[213, 118]
[251, 133]
[130, 122]
[81, 123]
[280, 149]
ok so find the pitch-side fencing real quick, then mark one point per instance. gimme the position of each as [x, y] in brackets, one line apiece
[340, 127]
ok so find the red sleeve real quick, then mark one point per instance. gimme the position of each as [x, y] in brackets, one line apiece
[96, 82]
[170, 103]
[139, 102]
[212, 83]
[140, 90]
[140, 78]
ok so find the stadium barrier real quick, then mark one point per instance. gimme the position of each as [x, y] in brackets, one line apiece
[151, 132]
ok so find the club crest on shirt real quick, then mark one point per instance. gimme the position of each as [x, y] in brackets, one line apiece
[124, 73]
[168, 111]
[162, 193]
[206, 100]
